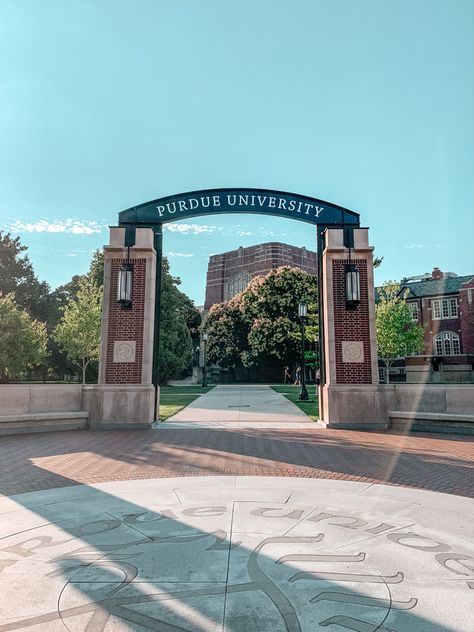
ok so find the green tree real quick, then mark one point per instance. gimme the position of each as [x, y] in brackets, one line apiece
[22, 340]
[175, 338]
[17, 276]
[78, 331]
[227, 334]
[397, 334]
[260, 326]
[270, 307]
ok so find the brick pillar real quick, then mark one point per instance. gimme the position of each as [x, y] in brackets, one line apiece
[350, 344]
[124, 395]
[127, 334]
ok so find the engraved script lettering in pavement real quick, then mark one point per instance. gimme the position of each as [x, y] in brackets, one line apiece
[149, 562]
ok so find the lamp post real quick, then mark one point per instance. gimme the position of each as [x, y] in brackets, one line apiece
[302, 313]
[316, 364]
[204, 339]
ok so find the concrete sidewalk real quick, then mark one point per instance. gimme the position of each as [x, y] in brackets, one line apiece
[240, 406]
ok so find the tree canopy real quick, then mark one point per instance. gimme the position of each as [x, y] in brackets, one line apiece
[398, 335]
[260, 326]
[179, 321]
[17, 277]
[22, 340]
[78, 331]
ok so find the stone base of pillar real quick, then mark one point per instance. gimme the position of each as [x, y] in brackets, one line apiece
[115, 406]
[361, 407]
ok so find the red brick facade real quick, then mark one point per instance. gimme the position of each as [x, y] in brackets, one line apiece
[466, 316]
[250, 262]
[126, 324]
[458, 320]
[351, 324]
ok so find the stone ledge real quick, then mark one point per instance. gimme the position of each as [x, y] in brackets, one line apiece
[427, 416]
[357, 425]
[449, 423]
[43, 417]
[43, 422]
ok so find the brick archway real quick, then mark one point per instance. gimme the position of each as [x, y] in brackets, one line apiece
[129, 367]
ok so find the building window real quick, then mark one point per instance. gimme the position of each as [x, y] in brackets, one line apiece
[237, 283]
[413, 308]
[447, 343]
[444, 308]
[453, 306]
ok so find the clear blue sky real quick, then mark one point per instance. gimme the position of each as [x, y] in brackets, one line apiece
[105, 104]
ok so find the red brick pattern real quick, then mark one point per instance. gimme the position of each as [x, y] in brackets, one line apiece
[126, 324]
[351, 324]
[466, 317]
[255, 260]
[426, 461]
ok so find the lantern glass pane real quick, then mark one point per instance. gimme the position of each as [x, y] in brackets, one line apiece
[352, 286]
[124, 285]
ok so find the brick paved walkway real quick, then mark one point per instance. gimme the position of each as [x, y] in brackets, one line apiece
[426, 461]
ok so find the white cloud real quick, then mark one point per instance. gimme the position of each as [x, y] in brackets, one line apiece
[245, 233]
[196, 229]
[77, 252]
[179, 254]
[417, 246]
[72, 226]
[272, 233]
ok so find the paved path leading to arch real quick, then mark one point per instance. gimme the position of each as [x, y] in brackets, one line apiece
[236, 554]
[240, 406]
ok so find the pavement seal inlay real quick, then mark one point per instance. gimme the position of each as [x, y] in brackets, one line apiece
[237, 554]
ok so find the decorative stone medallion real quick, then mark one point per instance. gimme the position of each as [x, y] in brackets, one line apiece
[352, 351]
[215, 554]
[124, 350]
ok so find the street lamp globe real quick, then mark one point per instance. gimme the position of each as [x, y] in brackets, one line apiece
[302, 310]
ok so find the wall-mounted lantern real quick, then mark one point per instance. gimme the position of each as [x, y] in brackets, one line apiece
[352, 286]
[125, 286]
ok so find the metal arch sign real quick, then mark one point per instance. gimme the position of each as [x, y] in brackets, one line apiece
[221, 201]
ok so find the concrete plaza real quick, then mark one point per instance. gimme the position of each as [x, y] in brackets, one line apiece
[236, 524]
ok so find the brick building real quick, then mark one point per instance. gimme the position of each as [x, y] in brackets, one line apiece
[444, 304]
[230, 272]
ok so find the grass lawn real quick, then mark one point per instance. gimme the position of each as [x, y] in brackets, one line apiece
[310, 407]
[174, 398]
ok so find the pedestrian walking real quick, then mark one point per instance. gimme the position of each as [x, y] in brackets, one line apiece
[298, 377]
[287, 376]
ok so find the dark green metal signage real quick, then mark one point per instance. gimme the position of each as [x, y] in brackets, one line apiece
[221, 201]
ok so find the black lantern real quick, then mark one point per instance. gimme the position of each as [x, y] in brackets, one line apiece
[302, 313]
[125, 286]
[352, 286]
